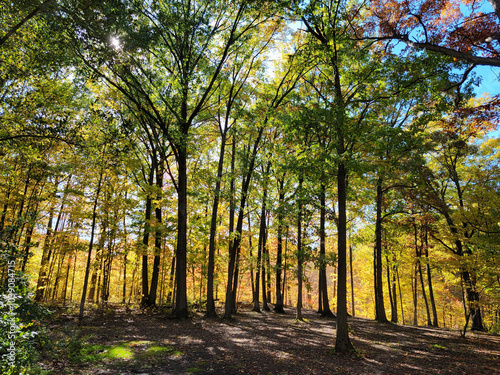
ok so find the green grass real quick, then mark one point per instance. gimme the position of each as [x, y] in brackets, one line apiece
[120, 352]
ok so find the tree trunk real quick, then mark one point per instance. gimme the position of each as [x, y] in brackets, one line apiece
[299, 252]
[263, 231]
[91, 243]
[394, 309]
[429, 281]
[230, 288]
[145, 242]
[389, 289]
[342, 341]
[262, 228]
[279, 295]
[400, 297]
[181, 306]
[380, 315]
[352, 281]
[326, 312]
[158, 238]
[213, 232]
[46, 253]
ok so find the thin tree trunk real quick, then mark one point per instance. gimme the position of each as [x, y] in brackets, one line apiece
[429, 281]
[400, 297]
[250, 246]
[262, 228]
[91, 243]
[65, 290]
[145, 242]
[418, 254]
[73, 277]
[158, 238]
[388, 275]
[46, 253]
[124, 288]
[236, 244]
[279, 295]
[299, 252]
[352, 281]
[213, 231]
[394, 310]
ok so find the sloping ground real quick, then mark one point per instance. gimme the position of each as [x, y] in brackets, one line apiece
[260, 343]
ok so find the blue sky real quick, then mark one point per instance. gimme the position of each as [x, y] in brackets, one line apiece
[490, 80]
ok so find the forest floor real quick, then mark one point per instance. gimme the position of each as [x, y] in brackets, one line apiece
[133, 342]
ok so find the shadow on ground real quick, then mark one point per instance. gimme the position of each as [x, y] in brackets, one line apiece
[263, 343]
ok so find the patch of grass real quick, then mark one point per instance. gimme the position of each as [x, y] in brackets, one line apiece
[120, 352]
[86, 353]
[154, 350]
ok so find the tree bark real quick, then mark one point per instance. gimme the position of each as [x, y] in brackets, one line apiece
[213, 232]
[380, 315]
[342, 341]
[429, 281]
[278, 307]
[299, 252]
[158, 238]
[230, 288]
[181, 306]
[326, 311]
[352, 281]
[91, 243]
[145, 242]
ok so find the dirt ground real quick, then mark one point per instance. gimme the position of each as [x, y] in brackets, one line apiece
[121, 342]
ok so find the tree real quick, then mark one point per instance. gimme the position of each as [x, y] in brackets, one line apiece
[459, 29]
[188, 45]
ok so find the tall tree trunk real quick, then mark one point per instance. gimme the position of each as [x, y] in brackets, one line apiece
[65, 290]
[352, 281]
[213, 232]
[124, 287]
[171, 282]
[326, 312]
[418, 255]
[278, 307]
[27, 244]
[429, 281]
[265, 306]
[342, 341]
[91, 243]
[250, 246]
[265, 255]
[424, 294]
[236, 244]
[181, 307]
[46, 253]
[96, 269]
[145, 241]
[389, 289]
[400, 297]
[262, 228]
[299, 252]
[394, 308]
[380, 315]
[158, 238]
